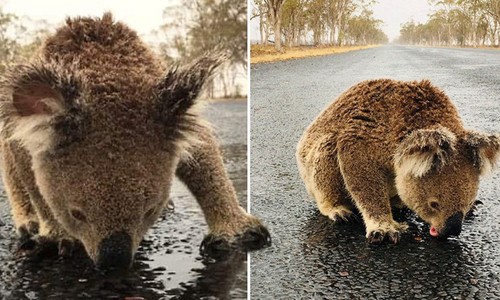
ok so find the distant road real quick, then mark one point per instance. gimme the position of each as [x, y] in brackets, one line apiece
[310, 257]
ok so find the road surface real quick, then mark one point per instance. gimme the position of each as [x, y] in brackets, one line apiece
[313, 259]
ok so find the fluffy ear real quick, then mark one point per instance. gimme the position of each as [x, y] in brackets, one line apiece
[182, 85]
[31, 96]
[483, 150]
[424, 150]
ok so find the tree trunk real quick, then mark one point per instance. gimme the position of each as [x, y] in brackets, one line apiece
[263, 35]
[277, 33]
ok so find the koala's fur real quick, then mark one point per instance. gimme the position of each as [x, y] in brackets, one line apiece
[93, 131]
[387, 138]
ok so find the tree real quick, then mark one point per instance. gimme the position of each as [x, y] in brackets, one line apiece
[318, 22]
[459, 22]
[364, 29]
[9, 48]
[274, 14]
[17, 43]
[293, 21]
[198, 26]
[261, 12]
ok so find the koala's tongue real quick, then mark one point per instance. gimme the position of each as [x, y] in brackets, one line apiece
[434, 232]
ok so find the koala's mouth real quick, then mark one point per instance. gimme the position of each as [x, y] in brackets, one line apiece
[452, 227]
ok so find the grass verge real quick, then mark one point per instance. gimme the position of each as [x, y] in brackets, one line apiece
[267, 53]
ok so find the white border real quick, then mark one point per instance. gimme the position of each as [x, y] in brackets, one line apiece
[248, 140]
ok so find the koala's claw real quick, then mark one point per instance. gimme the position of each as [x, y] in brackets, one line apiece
[28, 230]
[215, 246]
[255, 238]
[340, 214]
[26, 244]
[377, 237]
[218, 247]
[36, 247]
[394, 237]
[390, 232]
[65, 248]
[39, 247]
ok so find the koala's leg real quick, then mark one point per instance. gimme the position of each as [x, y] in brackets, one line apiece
[205, 176]
[369, 187]
[50, 234]
[321, 174]
[23, 213]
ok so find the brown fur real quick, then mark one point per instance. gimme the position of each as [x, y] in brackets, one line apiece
[93, 132]
[383, 138]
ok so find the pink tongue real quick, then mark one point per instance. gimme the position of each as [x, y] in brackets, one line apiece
[434, 232]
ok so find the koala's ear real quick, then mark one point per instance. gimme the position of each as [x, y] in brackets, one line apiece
[424, 150]
[30, 92]
[182, 85]
[31, 96]
[483, 150]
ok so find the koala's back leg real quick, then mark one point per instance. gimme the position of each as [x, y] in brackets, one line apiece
[23, 212]
[320, 172]
[369, 187]
[205, 176]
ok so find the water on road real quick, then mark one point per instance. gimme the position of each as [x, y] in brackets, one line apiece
[311, 258]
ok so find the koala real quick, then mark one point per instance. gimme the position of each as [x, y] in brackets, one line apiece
[387, 143]
[94, 129]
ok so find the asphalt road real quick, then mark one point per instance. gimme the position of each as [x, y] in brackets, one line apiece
[167, 265]
[313, 259]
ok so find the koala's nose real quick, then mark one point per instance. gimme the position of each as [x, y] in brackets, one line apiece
[115, 252]
[453, 225]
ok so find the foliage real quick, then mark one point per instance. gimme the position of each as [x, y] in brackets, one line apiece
[321, 22]
[457, 23]
[198, 26]
[17, 43]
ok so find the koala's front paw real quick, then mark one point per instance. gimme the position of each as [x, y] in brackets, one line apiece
[219, 246]
[376, 233]
[39, 247]
[247, 236]
[255, 238]
[28, 230]
[215, 246]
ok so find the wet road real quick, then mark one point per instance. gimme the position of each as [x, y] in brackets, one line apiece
[313, 259]
[167, 265]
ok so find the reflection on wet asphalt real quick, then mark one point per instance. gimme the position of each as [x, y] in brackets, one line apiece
[167, 265]
[313, 259]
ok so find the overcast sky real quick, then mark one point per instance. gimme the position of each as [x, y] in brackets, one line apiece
[146, 15]
[392, 12]
[396, 12]
[143, 16]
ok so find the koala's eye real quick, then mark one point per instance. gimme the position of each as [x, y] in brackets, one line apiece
[78, 215]
[434, 205]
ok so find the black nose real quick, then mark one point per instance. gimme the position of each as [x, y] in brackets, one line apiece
[115, 252]
[453, 225]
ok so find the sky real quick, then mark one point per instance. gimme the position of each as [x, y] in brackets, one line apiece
[392, 12]
[143, 16]
[146, 15]
[396, 12]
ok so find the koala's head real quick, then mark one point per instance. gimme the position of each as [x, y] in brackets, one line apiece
[437, 174]
[103, 162]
